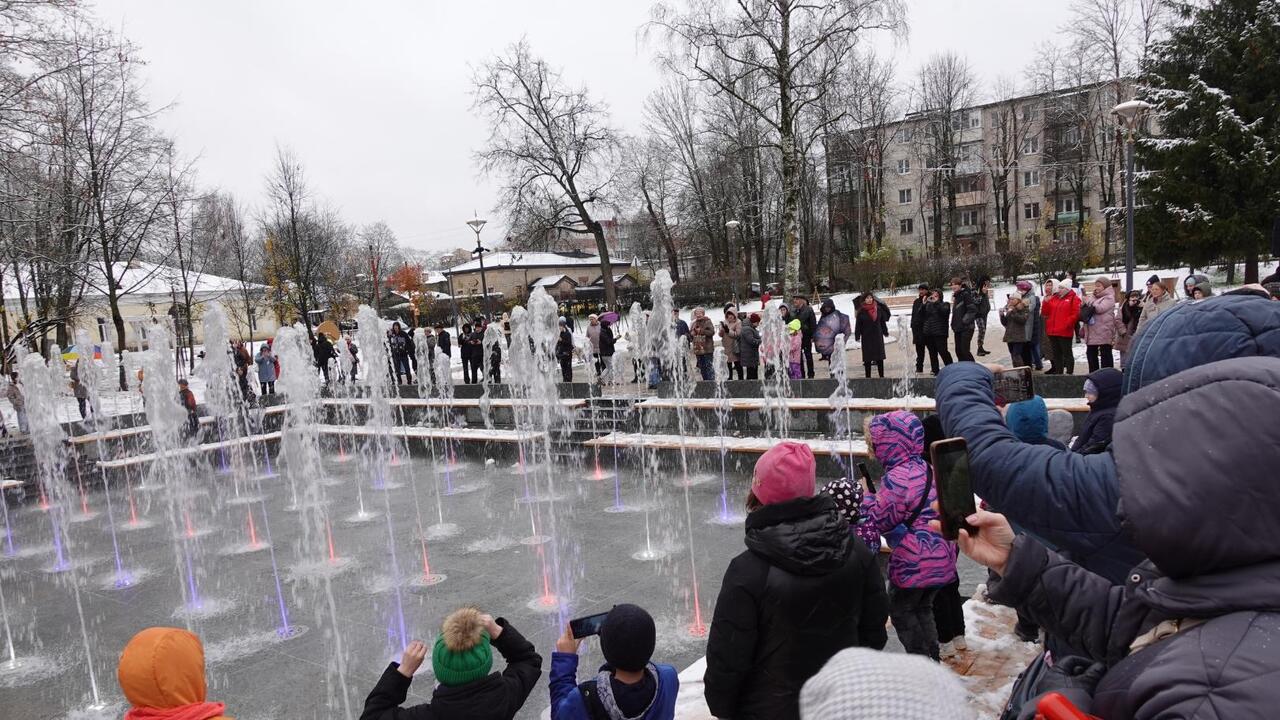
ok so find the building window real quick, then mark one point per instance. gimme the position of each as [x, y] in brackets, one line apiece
[1031, 211]
[102, 329]
[253, 320]
[1031, 146]
[975, 119]
[968, 184]
[1030, 178]
[904, 197]
[905, 226]
[970, 217]
[1071, 136]
[1067, 204]
[1069, 234]
[1028, 113]
[904, 167]
[904, 135]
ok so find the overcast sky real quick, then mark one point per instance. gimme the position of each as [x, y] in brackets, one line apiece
[374, 96]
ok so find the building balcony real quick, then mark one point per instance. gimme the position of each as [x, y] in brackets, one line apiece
[970, 199]
[1066, 218]
[965, 230]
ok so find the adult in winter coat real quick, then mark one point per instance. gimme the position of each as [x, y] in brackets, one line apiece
[1130, 316]
[266, 363]
[937, 314]
[730, 332]
[922, 561]
[1069, 500]
[917, 325]
[1031, 350]
[749, 346]
[964, 317]
[564, 351]
[832, 323]
[1190, 632]
[870, 328]
[607, 344]
[702, 335]
[398, 342]
[1015, 316]
[803, 590]
[161, 672]
[808, 327]
[1197, 282]
[461, 660]
[1099, 330]
[983, 294]
[1061, 311]
[1158, 300]
[1102, 390]
[593, 340]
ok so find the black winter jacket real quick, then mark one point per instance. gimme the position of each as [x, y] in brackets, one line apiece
[808, 321]
[917, 321]
[964, 311]
[1095, 435]
[749, 346]
[1212, 582]
[496, 697]
[935, 318]
[802, 591]
[607, 341]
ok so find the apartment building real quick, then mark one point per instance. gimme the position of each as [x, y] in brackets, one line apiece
[987, 178]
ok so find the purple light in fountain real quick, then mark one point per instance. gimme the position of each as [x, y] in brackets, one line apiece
[9, 550]
[193, 600]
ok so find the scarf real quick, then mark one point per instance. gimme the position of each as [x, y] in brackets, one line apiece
[605, 689]
[871, 312]
[194, 711]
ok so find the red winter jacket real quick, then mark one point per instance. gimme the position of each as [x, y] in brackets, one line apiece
[1061, 313]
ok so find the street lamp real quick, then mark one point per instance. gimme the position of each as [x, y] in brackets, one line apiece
[477, 225]
[1130, 115]
[731, 226]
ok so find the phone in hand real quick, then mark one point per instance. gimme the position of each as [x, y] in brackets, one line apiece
[1014, 385]
[868, 485]
[950, 460]
[587, 626]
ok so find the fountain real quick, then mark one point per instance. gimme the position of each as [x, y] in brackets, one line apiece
[776, 385]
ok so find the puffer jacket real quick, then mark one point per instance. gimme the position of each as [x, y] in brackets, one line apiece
[922, 558]
[831, 324]
[964, 310]
[749, 346]
[1204, 611]
[1069, 500]
[729, 334]
[1033, 310]
[567, 702]
[1015, 324]
[1101, 328]
[803, 590]
[1061, 313]
[703, 334]
[935, 318]
[1151, 309]
[1095, 434]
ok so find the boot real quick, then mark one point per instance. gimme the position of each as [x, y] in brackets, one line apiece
[982, 351]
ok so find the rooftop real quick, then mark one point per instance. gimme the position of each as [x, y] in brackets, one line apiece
[508, 259]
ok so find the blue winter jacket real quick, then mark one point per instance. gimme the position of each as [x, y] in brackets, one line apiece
[1069, 500]
[567, 702]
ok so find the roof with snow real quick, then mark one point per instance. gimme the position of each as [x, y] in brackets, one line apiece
[549, 280]
[617, 278]
[506, 259]
[140, 278]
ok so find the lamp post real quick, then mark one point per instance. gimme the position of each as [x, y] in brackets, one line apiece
[731, 226]
[1130, 115]
[477, 225]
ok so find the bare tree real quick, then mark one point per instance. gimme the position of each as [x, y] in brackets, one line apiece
[219, 231]
[1011, 121]
[117, 156]
[552, 143]
[790, 52]
[381, 253]
[189, 252]
[301, 244]
[647, 169]
[945, 89]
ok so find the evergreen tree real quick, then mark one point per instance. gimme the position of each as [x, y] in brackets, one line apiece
[1212, 183]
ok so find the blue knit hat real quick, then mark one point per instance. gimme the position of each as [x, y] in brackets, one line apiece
[1029, 419]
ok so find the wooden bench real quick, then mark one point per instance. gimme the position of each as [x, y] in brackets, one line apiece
[920, 405]
[422, 433]
[755, 445]
[187, 451]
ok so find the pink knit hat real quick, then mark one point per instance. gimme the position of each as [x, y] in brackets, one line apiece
[786, 472]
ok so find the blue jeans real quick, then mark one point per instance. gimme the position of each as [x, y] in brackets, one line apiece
[704, 367]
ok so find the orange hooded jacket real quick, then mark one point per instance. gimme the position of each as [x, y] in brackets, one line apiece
[161, 672]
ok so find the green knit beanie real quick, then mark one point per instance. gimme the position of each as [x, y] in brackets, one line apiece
[459, 667]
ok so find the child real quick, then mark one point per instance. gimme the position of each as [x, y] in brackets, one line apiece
[461, 660]
[188, 401]
[161, 672]
[793, 359]
[627, 686]
[848, 497]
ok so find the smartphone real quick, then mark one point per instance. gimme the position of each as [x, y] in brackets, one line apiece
[1014, 385]
[868, 484]
[955, 493]
[587, 626]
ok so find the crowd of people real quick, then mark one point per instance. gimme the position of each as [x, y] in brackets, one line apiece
[1143, 559]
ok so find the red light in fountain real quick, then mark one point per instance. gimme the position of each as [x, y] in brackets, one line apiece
[253, 531]
[133, 510]
[186, 519]
[328, 531]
